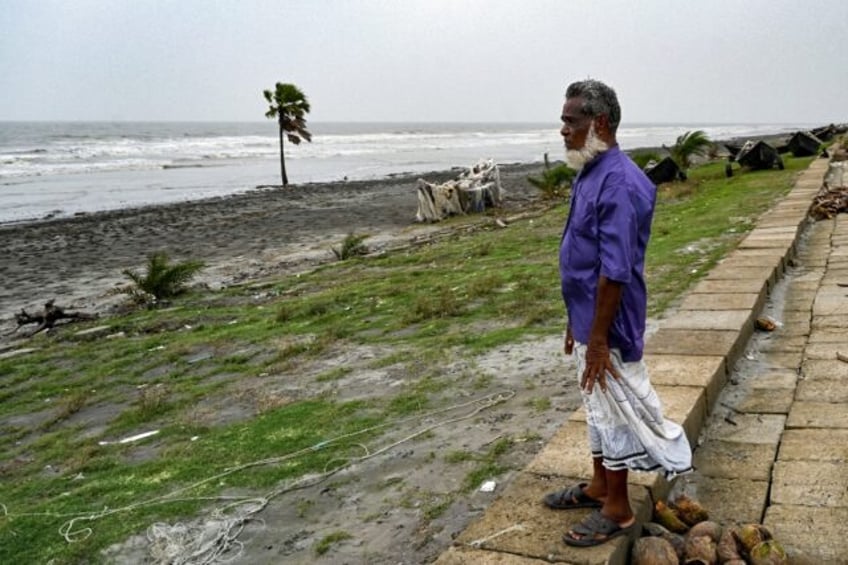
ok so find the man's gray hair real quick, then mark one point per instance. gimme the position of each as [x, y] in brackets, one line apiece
[598, 99]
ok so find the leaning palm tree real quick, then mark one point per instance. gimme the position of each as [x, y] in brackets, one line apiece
[687, 146]
[289, 106]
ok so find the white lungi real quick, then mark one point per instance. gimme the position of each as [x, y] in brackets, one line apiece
[626, 425]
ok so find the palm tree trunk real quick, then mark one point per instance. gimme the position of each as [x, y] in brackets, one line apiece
[283, 160]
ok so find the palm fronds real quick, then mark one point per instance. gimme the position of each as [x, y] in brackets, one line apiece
[554, 182]
[162, 280]
[351, 246]
[289, 106]
[688, 145]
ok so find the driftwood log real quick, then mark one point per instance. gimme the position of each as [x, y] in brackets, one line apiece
[47, 318]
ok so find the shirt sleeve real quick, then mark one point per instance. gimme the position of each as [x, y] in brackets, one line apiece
[617, 229]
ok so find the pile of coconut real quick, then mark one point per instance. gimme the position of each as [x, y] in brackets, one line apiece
[682, 533]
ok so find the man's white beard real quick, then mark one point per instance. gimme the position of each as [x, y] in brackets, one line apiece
[577, 158]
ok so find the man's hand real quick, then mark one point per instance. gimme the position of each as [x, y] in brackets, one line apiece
[598, 364]
[568, 344]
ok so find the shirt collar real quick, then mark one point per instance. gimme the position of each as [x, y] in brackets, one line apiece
[613, 150]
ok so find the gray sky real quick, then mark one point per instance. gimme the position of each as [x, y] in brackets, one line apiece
[769, 61]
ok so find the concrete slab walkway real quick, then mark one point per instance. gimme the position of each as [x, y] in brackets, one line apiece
[689, 357]
[808, 503]
[776, 446]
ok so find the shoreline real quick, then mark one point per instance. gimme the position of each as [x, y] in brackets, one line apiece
[48, 195]
[257, 191]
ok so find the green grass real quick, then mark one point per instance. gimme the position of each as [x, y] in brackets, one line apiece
[324, 545]
[699, 221]
[487, 466]
[108, 479]
[417, 309]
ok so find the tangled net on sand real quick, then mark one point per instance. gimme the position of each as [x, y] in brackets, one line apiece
[215, 539]
[207, 541]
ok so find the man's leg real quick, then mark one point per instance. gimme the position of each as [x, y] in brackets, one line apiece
[616, 502]
[597, 487]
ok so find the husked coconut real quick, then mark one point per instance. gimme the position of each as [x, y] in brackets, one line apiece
[728, 548]
[668, 518]
[768, 552]
[676, 540]
[690, 511]
[653, 551]
[700, 550]
[710, 529]
[751, 534]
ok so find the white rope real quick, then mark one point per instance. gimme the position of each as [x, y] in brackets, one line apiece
[478, 543]
[216, 540]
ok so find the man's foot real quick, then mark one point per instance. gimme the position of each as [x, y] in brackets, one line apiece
[572, 497]
[596, 529]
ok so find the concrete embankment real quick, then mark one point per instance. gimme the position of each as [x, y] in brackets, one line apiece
[791, 421]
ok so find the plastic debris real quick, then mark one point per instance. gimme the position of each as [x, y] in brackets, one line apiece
[766, 324]
[131, 439]
[488, 486]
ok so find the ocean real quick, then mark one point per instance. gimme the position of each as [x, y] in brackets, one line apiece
[54, 169]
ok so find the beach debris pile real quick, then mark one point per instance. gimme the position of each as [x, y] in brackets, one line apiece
[47, 318]
[682, 533]
[829, 202]
[766, 324]
[832, 199]
[474, 190]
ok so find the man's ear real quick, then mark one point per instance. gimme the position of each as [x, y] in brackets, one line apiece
[602, 125]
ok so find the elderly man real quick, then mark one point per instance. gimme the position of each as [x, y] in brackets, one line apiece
[602, 261]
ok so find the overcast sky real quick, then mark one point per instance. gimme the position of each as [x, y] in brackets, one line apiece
[766, 61]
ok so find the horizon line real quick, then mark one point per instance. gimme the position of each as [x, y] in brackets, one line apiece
[475, 122]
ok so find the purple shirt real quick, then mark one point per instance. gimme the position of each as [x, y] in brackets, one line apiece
[607, 231]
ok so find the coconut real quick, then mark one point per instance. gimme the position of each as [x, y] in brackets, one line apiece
[768, 552]
[751, 534]
[668, 518]
[689, 510]
[700, 550]
[676, 540]
[710, 529]
[653, 551]
[728, 549]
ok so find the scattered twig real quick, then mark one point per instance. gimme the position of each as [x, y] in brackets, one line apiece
[729, 420]
[729, 407]
[47, 318]
[493, 440]
[841, 357]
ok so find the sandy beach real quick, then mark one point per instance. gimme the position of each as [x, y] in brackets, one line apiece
[268, 231]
